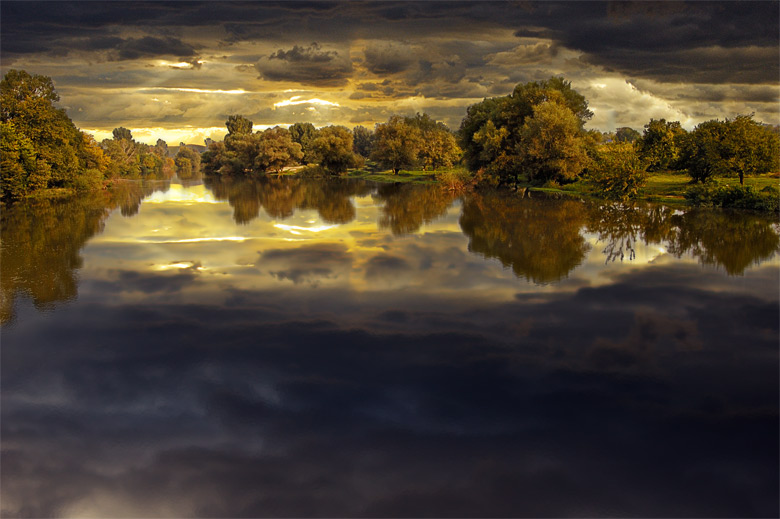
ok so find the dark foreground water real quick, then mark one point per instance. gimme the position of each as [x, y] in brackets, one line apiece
[291, 348]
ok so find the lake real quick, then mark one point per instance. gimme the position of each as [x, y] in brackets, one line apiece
[308, 348]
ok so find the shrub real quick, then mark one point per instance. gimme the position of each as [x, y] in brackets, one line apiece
[617, 171]
[714, 194]
[89, 180]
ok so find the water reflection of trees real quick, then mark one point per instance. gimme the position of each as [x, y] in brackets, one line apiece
[408, 206]
[731, 240]
[281, 197]
[539, 239]
[41, 241]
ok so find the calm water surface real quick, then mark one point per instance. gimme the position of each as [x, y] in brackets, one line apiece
[302, 348]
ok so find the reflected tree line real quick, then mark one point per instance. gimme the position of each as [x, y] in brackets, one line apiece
[42, 240]
[540, 239]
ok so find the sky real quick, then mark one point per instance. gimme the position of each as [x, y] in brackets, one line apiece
[177, 70]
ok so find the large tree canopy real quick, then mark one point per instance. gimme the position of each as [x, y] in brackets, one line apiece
[495, 133]
[41, 147]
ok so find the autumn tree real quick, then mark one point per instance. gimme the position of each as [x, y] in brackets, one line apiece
[618, 171]
[276, 150]
[46, 137]
[332, 149]
[438, 147]
[492, 132]
[304, 134]
[396, 144]
[187, 162]
[551, 143]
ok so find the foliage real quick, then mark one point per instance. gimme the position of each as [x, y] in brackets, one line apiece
[238, 125]
[626, 134]
[493, 131]
[362, 140]
[244, 153]
[21, 171]
[187, 162]
[304, 134]
[552, 147]
[276, 150]
[618, 171]
[715, 194]
[438, 147]
[396, 144]
[332, 149]
[661, 144]
[734, 147]
[41, 145]
[131, 159]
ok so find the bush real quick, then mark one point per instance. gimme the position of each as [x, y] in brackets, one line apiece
[617, 171]
[714, 194]
[89, 180]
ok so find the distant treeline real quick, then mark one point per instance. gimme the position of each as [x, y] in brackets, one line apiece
[535, 135]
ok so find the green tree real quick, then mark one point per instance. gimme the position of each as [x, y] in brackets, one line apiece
[238, 125]
[552, 145]
[276, 150]
[183, 167]
[332, 149]
[26, 101]
[304, 134]
[189, 168]
[661, 144]
[618, 171]
[396, 144]
[362, 139]
[736, 147]
[20, 170]
[626, 134]
[497, 147]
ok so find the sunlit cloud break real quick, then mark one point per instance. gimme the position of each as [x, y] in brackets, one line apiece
[296, 100]
[237, 91]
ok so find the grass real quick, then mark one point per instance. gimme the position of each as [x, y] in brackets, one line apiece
[372, 171]
[667, 187]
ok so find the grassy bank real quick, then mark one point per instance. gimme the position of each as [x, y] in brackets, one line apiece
[665, 187]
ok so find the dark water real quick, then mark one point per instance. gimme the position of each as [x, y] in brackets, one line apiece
[299, 348]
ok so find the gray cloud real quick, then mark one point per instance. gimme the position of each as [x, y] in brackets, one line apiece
[308, 65]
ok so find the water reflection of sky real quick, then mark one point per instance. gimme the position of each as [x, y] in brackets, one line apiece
[297, 367]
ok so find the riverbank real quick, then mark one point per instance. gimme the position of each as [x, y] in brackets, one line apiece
[663, 187]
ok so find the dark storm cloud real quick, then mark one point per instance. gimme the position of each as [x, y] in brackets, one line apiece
[668, 41]
[718, 42]
[389, 59]
[400, 406]
[308, 65]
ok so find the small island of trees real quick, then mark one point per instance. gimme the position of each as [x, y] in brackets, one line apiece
[534, 136]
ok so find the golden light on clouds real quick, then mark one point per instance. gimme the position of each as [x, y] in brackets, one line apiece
[296, 100]
[353, 63]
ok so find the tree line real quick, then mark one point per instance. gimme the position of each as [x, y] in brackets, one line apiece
[535, 135]
[41, 148]
[400, 143]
